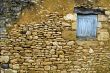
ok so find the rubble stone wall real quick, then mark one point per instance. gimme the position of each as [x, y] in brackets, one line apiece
[52, 47]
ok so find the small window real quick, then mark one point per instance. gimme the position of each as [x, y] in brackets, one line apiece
[86, 26]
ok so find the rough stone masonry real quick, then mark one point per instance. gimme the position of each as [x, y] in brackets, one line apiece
[52, 47]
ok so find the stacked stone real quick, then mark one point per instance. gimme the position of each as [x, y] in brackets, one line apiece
[10, 11]
[46, 48]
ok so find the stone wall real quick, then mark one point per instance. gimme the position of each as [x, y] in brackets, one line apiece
[10, 11]
[52, 47]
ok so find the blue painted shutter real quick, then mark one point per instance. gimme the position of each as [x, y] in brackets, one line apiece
[87, 26]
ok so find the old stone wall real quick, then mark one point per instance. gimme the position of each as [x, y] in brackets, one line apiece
[10, 11]
[51, 46]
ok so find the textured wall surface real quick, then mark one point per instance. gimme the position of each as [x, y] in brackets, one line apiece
[43, 40]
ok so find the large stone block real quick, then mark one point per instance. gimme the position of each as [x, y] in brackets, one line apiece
[5, 59]
[68, 35]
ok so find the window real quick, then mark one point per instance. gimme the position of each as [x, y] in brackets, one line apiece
[86, 26]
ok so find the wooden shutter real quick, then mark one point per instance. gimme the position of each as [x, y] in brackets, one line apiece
[86, 26]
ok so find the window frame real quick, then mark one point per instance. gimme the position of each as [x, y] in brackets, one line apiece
[95, 28]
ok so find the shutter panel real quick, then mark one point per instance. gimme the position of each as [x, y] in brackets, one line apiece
[87, 26]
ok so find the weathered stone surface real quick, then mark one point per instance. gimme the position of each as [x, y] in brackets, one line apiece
[47, 67]
[46, 63]
[66, 24]
[68, 35]
[91, 51]
[53, 67]
[15, 71]
[52, 47]
[103, 36]
[87, 43]
[9, 71]
[64, 71]
[35, 37]
[16, 66]
[5, 59]
[28, 33]
[61, 66]
[99, 25]
[74, 72]
[55, 43]
[107, 12]
[70, 43]
[70, 17]
[74, 25]
[14, 61]
[52, 51]
[102, 18]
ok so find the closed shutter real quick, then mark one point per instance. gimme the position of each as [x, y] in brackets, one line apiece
[86, 26]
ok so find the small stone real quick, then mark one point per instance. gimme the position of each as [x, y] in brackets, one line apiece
[91, 50]
[16, 66]
[31, 71]
[47, 67]
[70, 43]
[35, 37]
[64, 71]
[107, 12]
[46, 63]
[101, 43]
[10, 65]
[54, 68]
[52, 51]
[30, 61]
[85, 50]
[28, 33]
[70, 17]
[5, 59]
[5, 66]
[14, 71]
[61, 66]
[18, 48]
[61, 56]
[55, 43]
[80, 47]
[66, 24]
[74, 72]
[9, 71]
[14, 60]
[60, 52]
